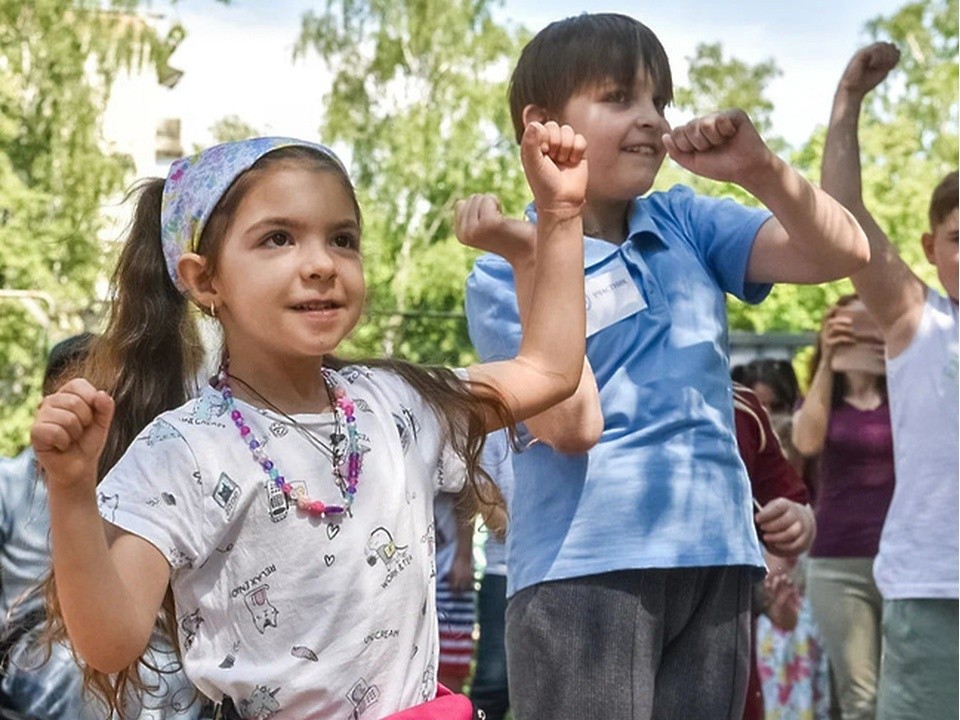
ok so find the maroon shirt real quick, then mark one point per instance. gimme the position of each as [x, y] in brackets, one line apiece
[771, 476]
[856, 482]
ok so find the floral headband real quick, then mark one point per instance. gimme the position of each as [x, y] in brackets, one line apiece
[196, 183]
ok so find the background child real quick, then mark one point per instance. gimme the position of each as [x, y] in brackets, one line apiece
[845, 420]
[288, 509]
[456, 597]
[787, 527]
[44, 683]
[489, 688]
[916, 568]
[641, 554]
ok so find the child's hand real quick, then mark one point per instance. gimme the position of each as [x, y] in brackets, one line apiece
[480, 224]
[555, 163]
[783, 600]
[69, 432]
[787, 527]
[724, 146]
[868, 67]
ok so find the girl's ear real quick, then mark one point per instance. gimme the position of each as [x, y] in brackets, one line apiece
[195, 277]
[534, 113]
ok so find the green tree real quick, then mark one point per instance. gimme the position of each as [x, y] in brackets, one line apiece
[57, 61]
[232, 128]
[419, 101]
[908, 130]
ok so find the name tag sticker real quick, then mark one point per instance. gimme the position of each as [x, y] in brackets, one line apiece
[611, 296]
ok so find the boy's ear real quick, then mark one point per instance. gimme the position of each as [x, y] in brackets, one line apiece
[195, 277]
[927, 241]
[534, 113]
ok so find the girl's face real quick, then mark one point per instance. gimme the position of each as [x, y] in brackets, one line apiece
[289, 276]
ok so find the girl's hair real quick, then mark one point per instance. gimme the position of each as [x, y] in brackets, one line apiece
[571, 54]
[839, 389]
[150, 355]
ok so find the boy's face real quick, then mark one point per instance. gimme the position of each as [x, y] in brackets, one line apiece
[940, 246]
[622, 126]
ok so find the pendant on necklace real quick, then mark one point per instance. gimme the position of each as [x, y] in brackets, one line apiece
[346, 465]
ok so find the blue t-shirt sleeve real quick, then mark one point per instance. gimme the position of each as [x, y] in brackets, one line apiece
[493, 320]
[723, 232]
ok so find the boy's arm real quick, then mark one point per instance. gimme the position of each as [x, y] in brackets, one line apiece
[810, 239]
[574, 425]
[891, 291]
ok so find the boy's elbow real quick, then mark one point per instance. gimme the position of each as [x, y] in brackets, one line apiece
[859, 246]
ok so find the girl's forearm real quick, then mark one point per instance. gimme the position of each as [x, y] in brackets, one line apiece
[554, 326]
[106, 625]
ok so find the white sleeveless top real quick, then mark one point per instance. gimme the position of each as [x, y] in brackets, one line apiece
[918, 546]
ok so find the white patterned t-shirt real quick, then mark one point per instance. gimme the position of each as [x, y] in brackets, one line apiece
[290, 616]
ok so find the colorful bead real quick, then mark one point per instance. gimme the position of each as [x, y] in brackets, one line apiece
[351, 461]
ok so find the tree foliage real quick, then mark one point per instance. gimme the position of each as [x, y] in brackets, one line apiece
[57, 61]
[419, 100]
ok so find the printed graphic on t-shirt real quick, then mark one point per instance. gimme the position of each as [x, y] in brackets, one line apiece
[227, 494]
[161, 430]
[354, 372]
[189, 627]
[231, 657]
[263, 611]
[277, 502]
[110, 504]
[362, 695]
[382, 549]
[305, 653]
[408, 427]
[207, 407]
[261, 705]
[428, 680]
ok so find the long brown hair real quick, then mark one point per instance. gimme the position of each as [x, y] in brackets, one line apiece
[150, 355]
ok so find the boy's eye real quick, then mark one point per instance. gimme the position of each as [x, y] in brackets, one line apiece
[660, 103]
[616, 96]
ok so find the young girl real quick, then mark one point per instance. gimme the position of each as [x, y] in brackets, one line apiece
[288, 507]
[845, 419]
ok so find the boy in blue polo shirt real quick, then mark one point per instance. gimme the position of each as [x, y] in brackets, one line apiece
[630, 566]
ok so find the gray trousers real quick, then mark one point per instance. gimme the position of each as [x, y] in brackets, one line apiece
[632, 645]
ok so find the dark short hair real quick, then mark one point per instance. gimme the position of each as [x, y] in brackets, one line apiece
[64, 357]
[944, 200]
[569, 54]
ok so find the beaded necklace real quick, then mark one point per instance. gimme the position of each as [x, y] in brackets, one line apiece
[346, 466]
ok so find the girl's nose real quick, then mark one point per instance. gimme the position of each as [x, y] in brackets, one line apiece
[318, 262]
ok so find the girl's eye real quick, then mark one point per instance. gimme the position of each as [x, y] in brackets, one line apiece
[616, 96]
[278, 239]
[346, 241]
